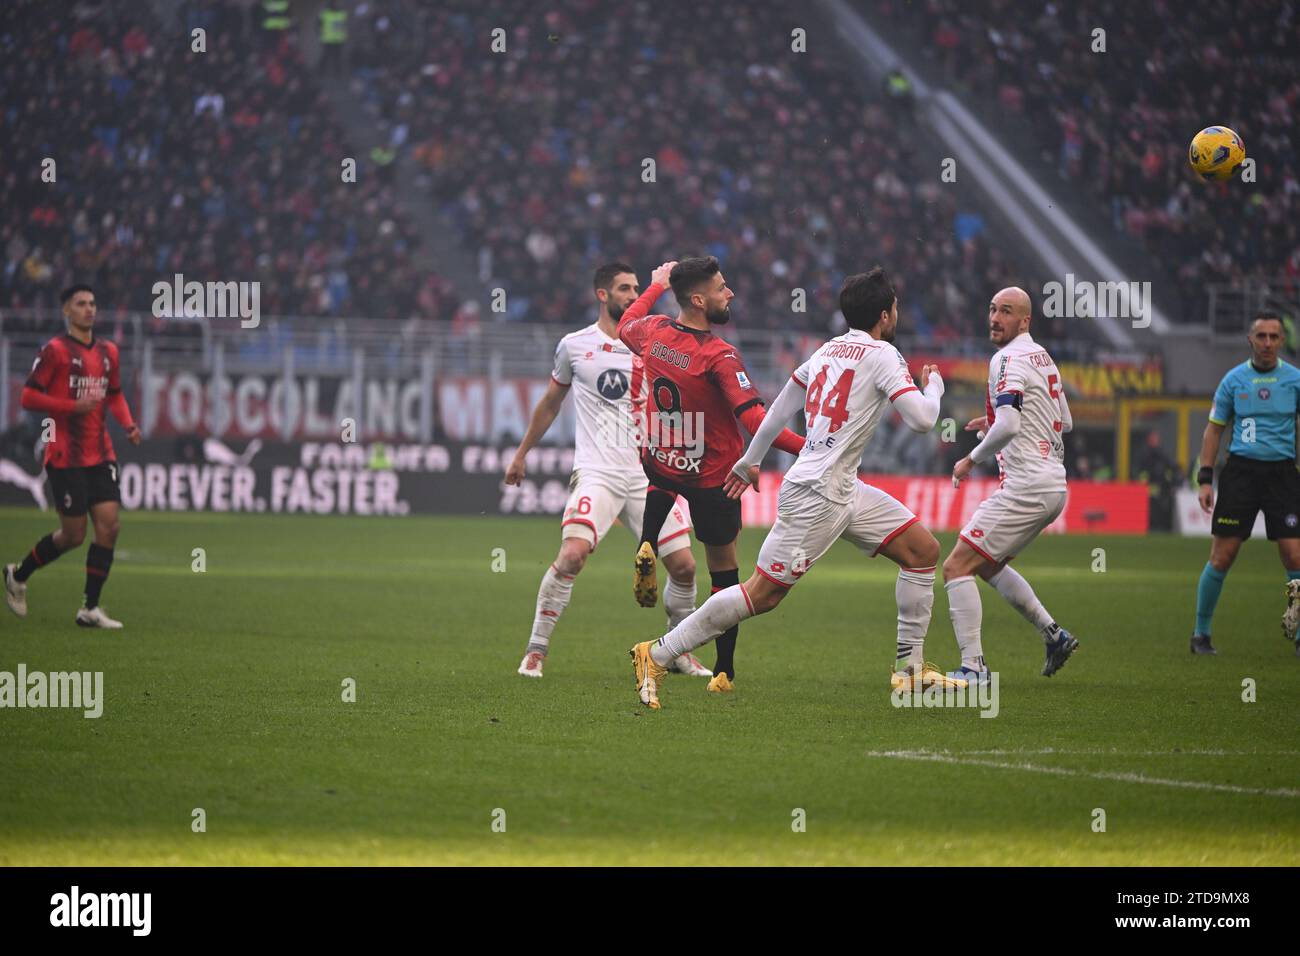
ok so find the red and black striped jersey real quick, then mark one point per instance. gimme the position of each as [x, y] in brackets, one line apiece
[700, 381]
[67, 370]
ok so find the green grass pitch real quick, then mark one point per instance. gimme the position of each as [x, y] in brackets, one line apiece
[224, 693]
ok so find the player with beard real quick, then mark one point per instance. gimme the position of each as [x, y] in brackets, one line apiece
[1027, 418]
[698, 388]
[75, 380]
[1261, 398]
[607, 483]
[843, 388]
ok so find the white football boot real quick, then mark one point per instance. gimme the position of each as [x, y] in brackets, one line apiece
[15, 592]
[1290, 621]
[95, 617]
[689, 664]
[531, 665]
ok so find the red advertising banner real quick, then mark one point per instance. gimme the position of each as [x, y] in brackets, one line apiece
[314, 407]
[1092, 507]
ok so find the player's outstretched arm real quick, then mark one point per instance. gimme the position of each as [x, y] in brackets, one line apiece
[754, 417]
[769, 430]
[631, 327]
[920, 410]
[548, 407]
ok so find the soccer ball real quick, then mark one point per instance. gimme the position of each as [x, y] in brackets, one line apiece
[1216, 153]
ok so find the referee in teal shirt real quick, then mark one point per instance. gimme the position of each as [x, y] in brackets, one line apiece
[1262, 399]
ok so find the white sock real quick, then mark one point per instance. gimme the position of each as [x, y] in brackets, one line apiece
[1013, 586]
[552, 598]
[914, 593]
[966, 612]
[723, 610]
[679, 601]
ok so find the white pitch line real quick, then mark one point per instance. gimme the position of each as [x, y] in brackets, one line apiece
[1091, 774]
[1092, 752]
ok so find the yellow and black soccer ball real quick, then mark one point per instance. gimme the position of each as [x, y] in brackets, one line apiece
[1216, 153]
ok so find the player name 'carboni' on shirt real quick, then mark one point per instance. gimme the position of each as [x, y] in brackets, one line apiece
[1023, 376]
[850, 380]
[609, 399]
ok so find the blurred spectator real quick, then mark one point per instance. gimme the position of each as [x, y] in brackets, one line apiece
[1163, 479]
[898, 91]
[777, 162]
[333, 37]
[223, 165]
[1118, 123]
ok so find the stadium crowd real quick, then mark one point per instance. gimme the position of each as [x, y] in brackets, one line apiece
[771, 160]
[1117, 124]
[220, 165]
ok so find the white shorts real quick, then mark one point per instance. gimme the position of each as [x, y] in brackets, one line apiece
[1006, 523]
[596, 499]
[807, 524]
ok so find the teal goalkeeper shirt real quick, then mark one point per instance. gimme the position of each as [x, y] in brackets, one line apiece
[1263, 408]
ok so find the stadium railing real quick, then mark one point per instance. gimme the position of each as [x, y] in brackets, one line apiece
[1232, 305]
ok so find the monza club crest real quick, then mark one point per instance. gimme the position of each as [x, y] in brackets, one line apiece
[612, 384]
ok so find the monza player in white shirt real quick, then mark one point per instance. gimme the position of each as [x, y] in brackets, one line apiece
[1027, 415]
[844, 389]
[608, 481]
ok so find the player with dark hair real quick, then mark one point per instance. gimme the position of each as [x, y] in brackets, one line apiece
[607, 384]
[843, 388]
[1262, 398]
[697, 389]
[73, 380]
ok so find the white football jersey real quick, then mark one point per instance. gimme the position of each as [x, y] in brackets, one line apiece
[1035, 459]
[609, 397]
[849, 382]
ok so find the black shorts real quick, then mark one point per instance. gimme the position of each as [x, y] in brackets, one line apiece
[76, 489]
[714, 516]
[1245, 487]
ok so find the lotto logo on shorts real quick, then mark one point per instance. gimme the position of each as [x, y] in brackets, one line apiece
[776, 567]
[1290, 521]
[976, 533]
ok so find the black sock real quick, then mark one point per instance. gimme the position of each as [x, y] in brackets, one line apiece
[726, 642]
[657, 505]
[44, 552]
[98, 561]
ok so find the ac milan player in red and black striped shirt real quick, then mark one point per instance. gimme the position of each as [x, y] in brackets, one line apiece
[73, 381]
[698, 385]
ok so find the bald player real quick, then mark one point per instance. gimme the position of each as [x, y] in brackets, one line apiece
[1027, 416]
